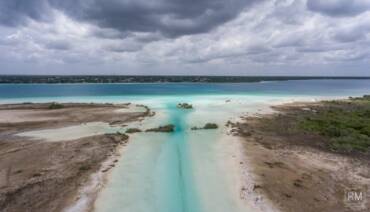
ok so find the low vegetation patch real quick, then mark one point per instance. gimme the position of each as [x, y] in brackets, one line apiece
[133, 130]
[85, 168]
[165, 128]
[122, 136]
[342, 126]
[207, 126]
[54, 106]
[185, 106]
[345, 123]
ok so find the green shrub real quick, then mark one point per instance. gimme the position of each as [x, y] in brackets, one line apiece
[55, 105]
[210, 126]
[165, 128]
[207, 126]
[85, 167]
[184, 106]
[133, 130]
[365, 131]
[350, 143]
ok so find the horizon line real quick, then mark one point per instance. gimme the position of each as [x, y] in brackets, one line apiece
[174, 75]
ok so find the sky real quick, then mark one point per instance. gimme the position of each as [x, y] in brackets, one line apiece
[185, 37]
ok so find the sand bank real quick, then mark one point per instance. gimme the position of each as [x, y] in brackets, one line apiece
[39, 175]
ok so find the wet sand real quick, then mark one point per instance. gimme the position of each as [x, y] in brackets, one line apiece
[37, 174]
[296, 172]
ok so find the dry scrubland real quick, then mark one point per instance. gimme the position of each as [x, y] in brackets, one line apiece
[308, 154]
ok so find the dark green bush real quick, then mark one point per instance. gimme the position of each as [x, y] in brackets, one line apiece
[165, 128]
[133, 130]
[210, 126]
[55, 105]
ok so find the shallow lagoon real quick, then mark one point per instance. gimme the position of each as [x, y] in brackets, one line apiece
[180, 171]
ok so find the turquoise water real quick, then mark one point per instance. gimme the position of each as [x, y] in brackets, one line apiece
[298, 87]
[176, 185]
[173, 172]
[184, 171]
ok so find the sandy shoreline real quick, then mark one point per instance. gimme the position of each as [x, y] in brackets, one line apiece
[37, 174]
[88, 193]
[234, 162]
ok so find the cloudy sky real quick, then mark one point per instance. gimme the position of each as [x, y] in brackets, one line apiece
[197, 37]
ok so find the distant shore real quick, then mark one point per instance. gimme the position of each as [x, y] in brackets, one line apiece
[63, 79]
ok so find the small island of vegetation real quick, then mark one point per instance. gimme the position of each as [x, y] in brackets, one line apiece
[185, 106]
[133, 130]
[166, 128]
[208, 126]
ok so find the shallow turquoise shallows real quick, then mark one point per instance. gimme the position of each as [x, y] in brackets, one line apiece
[184, 171]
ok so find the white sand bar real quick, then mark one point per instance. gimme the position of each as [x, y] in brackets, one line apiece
[71, 132]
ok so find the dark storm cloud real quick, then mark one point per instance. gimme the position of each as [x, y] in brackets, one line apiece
[17, 12]
[339, 7]
[172, 18]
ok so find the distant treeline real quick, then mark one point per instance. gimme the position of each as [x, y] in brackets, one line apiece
[154, 79]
